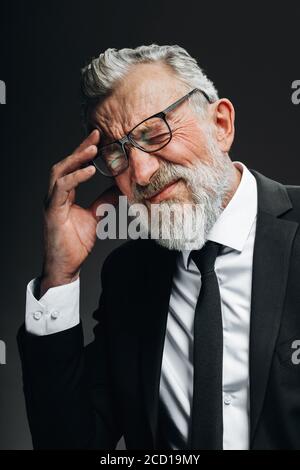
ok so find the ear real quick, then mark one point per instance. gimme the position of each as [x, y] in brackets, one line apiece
[223, 116]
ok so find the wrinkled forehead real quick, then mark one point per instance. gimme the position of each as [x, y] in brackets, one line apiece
[146, 90]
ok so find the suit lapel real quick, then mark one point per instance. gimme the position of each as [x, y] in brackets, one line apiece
[159, 284]
[271, 257]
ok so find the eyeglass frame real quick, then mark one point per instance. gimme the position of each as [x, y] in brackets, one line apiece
[127, 139]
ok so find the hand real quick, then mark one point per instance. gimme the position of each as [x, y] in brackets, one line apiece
[70, 230]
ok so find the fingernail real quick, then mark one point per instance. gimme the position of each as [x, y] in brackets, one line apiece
[90, 169]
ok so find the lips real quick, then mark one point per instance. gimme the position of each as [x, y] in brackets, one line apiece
[163, 193]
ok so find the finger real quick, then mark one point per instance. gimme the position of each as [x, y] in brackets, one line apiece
[92, 139]
[75, 161]
[66, 184]
[81, 155]
[70, 164]
[110, 196]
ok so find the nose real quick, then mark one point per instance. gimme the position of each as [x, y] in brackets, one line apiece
[142, 165]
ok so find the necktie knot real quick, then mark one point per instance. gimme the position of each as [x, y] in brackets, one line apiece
[206, 257]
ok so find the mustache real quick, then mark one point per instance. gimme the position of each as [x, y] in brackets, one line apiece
[166, 175]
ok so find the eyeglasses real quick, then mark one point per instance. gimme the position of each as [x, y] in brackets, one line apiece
[150, 135]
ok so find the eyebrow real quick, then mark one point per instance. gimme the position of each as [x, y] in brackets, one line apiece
[165, 110]
[105, 137]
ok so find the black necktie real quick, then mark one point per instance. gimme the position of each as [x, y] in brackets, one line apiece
[207, 408]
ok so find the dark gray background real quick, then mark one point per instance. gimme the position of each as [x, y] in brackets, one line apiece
[250, 51]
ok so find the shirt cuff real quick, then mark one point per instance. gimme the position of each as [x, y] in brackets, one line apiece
[56, 311]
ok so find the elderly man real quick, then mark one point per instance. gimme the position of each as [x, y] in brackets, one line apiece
[196, 341]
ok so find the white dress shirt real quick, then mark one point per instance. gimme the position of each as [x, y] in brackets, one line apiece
[58, 310]
[235, 229]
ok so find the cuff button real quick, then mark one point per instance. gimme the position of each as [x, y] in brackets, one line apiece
[37, 315]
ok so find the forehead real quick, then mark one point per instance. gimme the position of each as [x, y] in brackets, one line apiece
[146, 90]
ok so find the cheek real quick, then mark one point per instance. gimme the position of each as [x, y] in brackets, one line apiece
[184, 151]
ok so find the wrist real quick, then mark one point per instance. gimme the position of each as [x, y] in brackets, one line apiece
[49, 281]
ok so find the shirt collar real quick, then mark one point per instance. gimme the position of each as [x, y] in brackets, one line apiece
[233, 226]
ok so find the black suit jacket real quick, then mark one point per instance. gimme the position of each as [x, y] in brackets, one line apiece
[89, 397]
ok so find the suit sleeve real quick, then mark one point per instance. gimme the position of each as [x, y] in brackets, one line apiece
[67, 387]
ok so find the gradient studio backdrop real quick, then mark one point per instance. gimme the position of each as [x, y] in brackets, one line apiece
[251, 52]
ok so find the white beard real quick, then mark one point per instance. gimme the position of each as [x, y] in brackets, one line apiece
[185, 226]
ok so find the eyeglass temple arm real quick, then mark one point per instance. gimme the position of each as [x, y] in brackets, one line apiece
[172, 106]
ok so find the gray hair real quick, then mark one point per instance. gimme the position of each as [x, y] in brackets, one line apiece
[101, 75]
